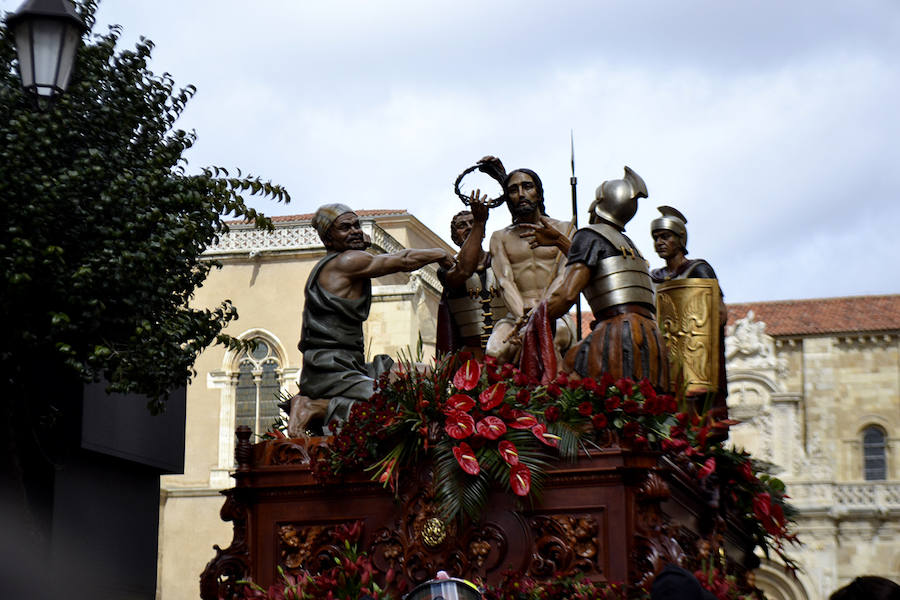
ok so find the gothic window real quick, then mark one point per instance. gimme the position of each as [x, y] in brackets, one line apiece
[874, 462]
[258, 385]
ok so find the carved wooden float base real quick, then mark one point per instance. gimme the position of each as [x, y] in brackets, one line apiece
[616, 516]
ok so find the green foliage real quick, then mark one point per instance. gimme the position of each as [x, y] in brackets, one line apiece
[103, 228]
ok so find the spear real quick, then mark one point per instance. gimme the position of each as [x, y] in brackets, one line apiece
[573, 182]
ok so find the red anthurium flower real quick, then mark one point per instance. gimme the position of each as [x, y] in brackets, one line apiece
[466, 378]
[460, 402]
[493, 396]
[520, 479]
[491, 427]
[778, 514]
[459, 425]
[762, 506]
[707, 469]
[747, 471]
[466, 459]
[540, 432]
[522, 420]
[508, 452]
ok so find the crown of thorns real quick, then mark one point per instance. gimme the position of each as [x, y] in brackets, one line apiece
[492, 203]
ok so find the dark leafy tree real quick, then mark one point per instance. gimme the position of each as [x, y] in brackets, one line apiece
[102, 231]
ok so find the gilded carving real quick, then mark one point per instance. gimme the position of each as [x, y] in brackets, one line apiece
[433, 532]
[688, 314]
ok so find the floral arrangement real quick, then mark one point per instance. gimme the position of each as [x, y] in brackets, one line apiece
[487, 425]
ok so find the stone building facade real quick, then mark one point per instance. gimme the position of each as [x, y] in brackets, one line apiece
[264, 274]
[816, 384]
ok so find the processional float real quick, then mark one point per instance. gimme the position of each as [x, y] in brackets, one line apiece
[476, 469]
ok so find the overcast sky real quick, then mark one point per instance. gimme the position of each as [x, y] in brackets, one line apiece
[773, 126]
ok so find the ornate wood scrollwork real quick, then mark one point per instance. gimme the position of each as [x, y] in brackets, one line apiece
[419, 542]
[219, 578]
[310, 547]
[565, 545]
[655, 543]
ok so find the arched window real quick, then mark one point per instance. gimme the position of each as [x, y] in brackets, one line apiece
[258, 385]
[874, 461]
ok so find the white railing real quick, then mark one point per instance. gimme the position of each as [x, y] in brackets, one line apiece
[246, 239]
[846, 497]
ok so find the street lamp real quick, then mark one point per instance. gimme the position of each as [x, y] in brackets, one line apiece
[46, 33]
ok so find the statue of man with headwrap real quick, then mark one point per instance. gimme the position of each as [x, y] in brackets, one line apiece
[337, 299]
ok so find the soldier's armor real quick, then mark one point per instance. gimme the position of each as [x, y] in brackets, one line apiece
[476, 313]
[619, 279]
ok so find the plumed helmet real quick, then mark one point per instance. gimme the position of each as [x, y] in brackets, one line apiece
[325, 216]
[616, 199]
[671, 220]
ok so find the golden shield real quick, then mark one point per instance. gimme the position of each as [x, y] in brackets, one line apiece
[688, 315]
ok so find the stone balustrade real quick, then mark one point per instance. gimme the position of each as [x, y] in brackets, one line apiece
[845, 498]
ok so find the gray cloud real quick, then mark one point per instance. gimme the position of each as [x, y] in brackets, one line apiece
[771, 125]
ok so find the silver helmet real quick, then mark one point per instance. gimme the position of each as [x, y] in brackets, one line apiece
[671, 220]
[616, 199]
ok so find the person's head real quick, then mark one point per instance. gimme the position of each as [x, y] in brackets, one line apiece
[616, 200]
[868, 588]
[460, 226]
[524, 194]
[338, 227]
[669, 233]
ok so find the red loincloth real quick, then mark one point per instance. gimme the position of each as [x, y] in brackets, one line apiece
[538, 357]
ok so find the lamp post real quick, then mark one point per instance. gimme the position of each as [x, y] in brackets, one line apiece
[46, 34]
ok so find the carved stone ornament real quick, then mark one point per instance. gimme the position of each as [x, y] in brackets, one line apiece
[688, 312]
[748, 346]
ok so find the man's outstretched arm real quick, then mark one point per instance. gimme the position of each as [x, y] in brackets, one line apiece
[362, 265]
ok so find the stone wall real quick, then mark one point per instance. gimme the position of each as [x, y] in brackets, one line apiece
[804, 401]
